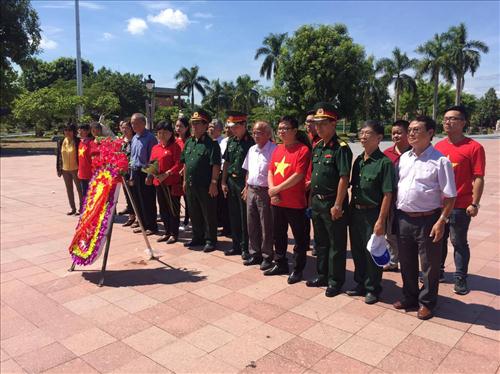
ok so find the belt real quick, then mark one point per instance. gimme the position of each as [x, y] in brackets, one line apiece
[331, 196]
[258, 187]
[363, 206]
[422, 214]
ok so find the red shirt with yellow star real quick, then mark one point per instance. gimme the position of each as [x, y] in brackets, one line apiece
[286, 161]
[469, 161]
[85, 149]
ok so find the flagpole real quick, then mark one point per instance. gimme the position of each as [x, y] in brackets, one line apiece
[79, 87]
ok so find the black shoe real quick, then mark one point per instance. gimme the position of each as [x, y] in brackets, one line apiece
[254, 260]
[332, 291]
[314, 252]
[209, 248]
[442, 279]
[124, 211]
[71, 213]
[232, 252]
[295, 277]
[129, 222]
[461, 286]
[277, 270]
[224, 233]
[356, 291]
[266, 264]
[192, 243]
[316, 282]
[245, 255]
[371, 298]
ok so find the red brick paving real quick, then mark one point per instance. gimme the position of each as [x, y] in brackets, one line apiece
[208, 313]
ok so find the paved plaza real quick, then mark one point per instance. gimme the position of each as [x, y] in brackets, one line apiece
[191, 312]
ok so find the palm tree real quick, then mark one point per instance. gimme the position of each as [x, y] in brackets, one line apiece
[393, 70]
[246, 95]
[217, 96]
[271, 49]
[464, 55]
[189, 80]
[372, 90]
[433, 61]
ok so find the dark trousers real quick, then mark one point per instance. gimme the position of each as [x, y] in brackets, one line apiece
[237, 214]
[330, 238]
[71, 177]
[260, 222]
[296, 218]
[85, 186]
[186, 211]
[170, 215]
[222, 210]
[366, 273]
[414, 243]
[203, 211]
[145, 201]
[457, 230]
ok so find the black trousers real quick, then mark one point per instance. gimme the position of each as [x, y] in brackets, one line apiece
[222, 209]
[414, 243]
[170, 216]
[145, 198]
[296, 218]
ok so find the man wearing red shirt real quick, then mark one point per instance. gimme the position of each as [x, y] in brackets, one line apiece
[85, 157]
[468, 160]
[286, 178]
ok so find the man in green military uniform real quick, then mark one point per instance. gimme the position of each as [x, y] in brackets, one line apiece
[372, 186]
[201, 156]
[233, 181]
[331, 167]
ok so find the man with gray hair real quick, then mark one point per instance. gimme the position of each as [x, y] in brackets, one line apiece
[259, 218]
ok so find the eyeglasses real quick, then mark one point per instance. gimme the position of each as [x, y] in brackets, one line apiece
[255, 133]
[416, 130]
[284, 129]
[452, 119]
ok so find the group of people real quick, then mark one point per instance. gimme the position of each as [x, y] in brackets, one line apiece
[415, 194]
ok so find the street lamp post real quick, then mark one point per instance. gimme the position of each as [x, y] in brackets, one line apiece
[150, 104]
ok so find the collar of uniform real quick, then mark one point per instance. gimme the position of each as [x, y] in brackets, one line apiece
[375, 155]
[201, 139]
[334, 140]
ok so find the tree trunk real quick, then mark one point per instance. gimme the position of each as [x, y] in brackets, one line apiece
[458, 90]
[192, 99]
[396, 102]
[435, 101]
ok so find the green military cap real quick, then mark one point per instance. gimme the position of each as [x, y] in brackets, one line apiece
[234, 117]
[201, 115]
[324, 111]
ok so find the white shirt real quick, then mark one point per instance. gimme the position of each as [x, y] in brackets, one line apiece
[257, 164]
[223, 145]
[424, 181]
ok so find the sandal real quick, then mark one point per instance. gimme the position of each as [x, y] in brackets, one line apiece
[171, 240]
[163, 238]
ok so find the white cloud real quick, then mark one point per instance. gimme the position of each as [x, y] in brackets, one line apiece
[173, 19]
[107, 36]
[47, 44]
[203, 15]
[209, 26]
[91, 5]
[136, 26]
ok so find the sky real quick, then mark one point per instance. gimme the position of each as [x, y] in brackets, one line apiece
[221, 37]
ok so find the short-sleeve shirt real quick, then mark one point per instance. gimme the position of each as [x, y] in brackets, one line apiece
[329, 162]
[285, 162]
[257, 164]
[469, 161]
[424, 180]
[235, 154]
[371, 178]
[85, 159]
[140, 150]
[168, 157]
[199, 155]
[393, 154]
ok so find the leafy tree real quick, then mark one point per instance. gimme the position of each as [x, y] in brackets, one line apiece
[432, 63]
[487, 113]
[394, 72]
[19, 40]
[39, 74]
[373, 93]
[164, 113]
[217, 97]
[189, 80]
[246, 95]
[271, 49]
[319, 63]
[464, 57]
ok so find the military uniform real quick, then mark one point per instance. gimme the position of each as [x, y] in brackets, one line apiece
[371, 178]
[234, 155]
[199, 156]
[330, 161]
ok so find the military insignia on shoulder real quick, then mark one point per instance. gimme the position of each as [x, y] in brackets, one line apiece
[196, 115]
[342, 143]
[320, 111]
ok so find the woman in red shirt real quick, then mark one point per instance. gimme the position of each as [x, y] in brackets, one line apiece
[85, 157]
[167, 181]
[182, 134]
[287, 189]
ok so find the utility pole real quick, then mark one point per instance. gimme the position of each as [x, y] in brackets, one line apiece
[79, 87]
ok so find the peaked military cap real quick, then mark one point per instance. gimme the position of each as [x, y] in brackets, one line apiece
[201, 115]
[233, 118]
[324, 111]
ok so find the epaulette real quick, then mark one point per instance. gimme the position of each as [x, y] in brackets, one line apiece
[342, 143]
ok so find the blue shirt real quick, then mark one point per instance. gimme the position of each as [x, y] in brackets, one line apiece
[140, 150]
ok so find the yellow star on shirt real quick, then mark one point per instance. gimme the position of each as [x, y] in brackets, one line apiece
[81, 152]
[281, 167]
[453, 164]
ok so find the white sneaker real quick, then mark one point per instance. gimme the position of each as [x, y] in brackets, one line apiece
[182, 228]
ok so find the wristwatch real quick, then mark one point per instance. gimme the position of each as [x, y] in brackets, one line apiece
[477, 206]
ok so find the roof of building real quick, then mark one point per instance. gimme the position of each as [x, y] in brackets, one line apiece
[159, 91]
